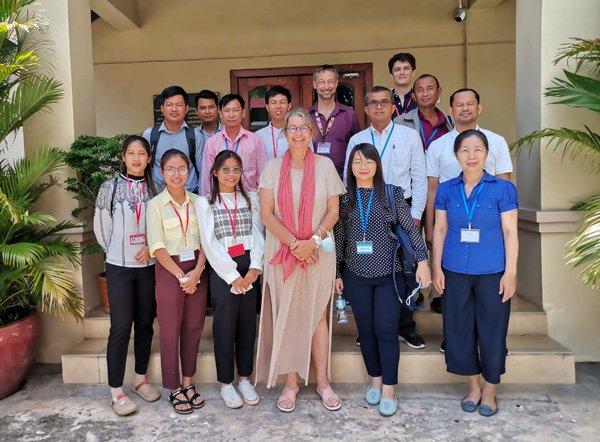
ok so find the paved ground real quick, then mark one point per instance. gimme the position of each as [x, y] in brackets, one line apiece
[47, 410]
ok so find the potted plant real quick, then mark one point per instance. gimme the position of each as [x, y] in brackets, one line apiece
[95, 159]
[33, 254]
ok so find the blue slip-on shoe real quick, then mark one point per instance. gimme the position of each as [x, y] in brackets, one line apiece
[487, 411]
[388, 407]
[468, 406]
[373, 395]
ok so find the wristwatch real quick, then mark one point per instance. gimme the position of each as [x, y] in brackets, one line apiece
[317, 239]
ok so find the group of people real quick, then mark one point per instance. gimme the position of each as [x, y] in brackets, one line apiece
[303, 208]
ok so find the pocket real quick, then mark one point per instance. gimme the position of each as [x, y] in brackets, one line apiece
[172, 229]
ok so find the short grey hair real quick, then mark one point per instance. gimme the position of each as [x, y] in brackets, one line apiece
[301, 113]
[324, 68]
[379, 89]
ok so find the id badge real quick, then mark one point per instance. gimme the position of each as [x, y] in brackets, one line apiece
[324, 147]
[364, 247]
[237, 250]
[187, 255]
[469, 235]
[137, 240]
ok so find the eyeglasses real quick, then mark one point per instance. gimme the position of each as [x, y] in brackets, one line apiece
[294, 129]
[368, 164]
[171, 171]
[377, 103]
[231, 170]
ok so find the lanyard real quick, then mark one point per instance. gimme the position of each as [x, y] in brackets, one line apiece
[364, 219]
[470, 210]
[329, 124]
[236, 144]
[232, 219]
[187, 221]
[386, 141]
[426, 143]
[403, 108]
[274, 143]
[139, 203]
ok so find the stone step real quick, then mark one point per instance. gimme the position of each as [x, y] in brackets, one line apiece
[532, 359]
[526, 319]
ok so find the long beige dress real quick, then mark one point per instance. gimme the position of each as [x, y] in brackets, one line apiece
[291, 311]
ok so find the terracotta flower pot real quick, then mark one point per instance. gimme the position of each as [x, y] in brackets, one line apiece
[17, 346]
[103, 289]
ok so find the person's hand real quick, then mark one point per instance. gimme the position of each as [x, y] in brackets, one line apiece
[339, 286]
[143, 256]
[422, 274]
[239, 285]
[250, 277]
[439, 280]
[508, 285]
[303, 249]
[312, 258]
[193, 276]
[417, 224]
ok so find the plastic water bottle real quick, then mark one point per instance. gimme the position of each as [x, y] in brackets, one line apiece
[340, 305]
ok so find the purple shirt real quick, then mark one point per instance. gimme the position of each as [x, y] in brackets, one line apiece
[430, 132]
[345, 124]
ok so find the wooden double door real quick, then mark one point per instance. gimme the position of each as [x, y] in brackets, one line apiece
[252, 85]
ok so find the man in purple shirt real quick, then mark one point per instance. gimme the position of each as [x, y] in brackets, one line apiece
[334, 122]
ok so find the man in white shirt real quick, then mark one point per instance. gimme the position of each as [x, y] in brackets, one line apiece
[403, 164]
[278, 102]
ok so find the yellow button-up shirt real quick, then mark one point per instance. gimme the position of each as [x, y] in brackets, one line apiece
[164, 228]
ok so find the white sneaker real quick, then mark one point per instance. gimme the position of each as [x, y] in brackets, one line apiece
[248, 392]
[231, 397]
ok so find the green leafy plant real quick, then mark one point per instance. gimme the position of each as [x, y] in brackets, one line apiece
[579, 88]
[95, 159]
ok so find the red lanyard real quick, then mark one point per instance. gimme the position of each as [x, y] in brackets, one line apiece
[232, 219]
[139, 202]
[329, 124]
[187, 221]
[404, 108]
[274, 143]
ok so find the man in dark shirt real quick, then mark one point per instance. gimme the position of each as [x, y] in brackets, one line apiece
[334, 122]
[402, 70]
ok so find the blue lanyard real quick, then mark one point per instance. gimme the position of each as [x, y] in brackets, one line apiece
[470, 210]
[236, 144]
[386, 141]
[364, 220]
[426, 142]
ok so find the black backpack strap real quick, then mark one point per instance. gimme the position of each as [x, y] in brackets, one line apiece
[154, 136]
[191, 140]
[112, 198]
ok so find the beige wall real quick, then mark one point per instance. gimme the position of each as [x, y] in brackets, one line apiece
[196, 44]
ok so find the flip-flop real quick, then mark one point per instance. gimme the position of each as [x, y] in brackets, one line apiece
[287, 395]
[328, 394]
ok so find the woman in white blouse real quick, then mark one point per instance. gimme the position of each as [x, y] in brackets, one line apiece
[232, 239]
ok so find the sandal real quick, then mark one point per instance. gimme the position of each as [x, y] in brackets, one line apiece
[192, 399]
[147, 391]
[175, 402]
[327, 395]
[287, 395]
[123, 405]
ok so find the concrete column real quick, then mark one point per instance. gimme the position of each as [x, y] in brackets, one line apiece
[549, 184]
[70, 60]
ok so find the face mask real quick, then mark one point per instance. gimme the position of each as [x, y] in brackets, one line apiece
[327, 243]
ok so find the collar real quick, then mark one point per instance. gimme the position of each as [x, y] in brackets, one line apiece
[163, 128]
[166, 198]
[486, 177]
[217, 130]
[270, 126]
[241, 133]
[454, 133]
[339, 107]
[440, 116]
[406, 95]
[385, 129]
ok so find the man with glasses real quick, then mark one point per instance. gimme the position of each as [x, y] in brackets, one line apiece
[246, 144]
[174, 133]
[402, 70]
[334, 122]
[403, 164]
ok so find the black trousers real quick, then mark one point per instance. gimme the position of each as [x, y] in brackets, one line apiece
[406, 324]
[475, 325]
[234, 324]
[131, 297]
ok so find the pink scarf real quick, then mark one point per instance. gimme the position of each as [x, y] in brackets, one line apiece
[285, 202]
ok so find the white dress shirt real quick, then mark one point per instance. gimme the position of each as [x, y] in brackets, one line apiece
[403, 161]
[442, 162]
[270, 133]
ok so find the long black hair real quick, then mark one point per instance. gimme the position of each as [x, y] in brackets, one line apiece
[148, 169]
[370, 152]
[220, 159]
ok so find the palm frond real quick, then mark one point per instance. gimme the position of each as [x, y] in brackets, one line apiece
[21, 254]
[576, 91]
[583, 52]
[57, 291]
[583, 250]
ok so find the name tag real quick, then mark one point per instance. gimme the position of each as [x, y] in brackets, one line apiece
[324, 147]
[237, 250]
[469, 235]
[364, 247]
[187, 255]
[137, 240]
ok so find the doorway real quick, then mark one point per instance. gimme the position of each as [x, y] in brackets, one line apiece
[252, 85]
